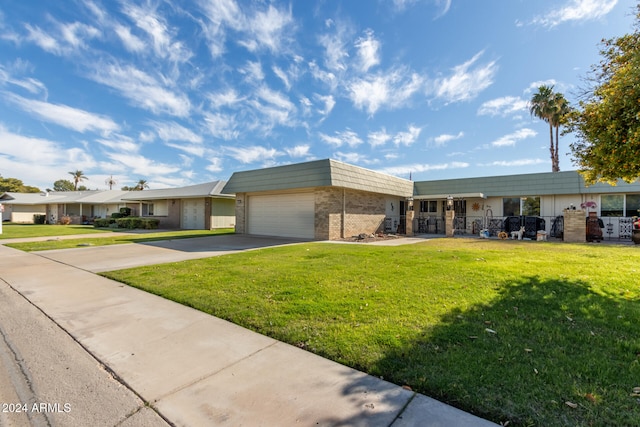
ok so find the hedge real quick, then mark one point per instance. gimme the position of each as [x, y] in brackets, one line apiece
[129, 223]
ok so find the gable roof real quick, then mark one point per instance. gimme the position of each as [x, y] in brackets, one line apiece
[535, 184]
[319, 173]
[206, 189]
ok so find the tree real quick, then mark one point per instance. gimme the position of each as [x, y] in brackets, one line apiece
[15, 185]
[552, 108]
[63, 185]
[141, 185]
[78, 176]
[607, 124]
[110, 182]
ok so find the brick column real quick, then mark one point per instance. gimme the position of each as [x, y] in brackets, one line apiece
[575, 226]
[448, 223]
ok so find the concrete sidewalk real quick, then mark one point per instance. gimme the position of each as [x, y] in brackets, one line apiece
[194, 369]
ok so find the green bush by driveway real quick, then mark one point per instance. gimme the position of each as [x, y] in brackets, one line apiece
[526, 332]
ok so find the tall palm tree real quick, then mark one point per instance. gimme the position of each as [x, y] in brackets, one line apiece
[141, 185]
[553, 108]
[561, 110]
[110, 182]
[78, 176]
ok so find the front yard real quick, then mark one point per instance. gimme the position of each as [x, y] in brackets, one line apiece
[526, 332]
[15, 231]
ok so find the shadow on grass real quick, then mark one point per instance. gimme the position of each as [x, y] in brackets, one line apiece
[539, 344]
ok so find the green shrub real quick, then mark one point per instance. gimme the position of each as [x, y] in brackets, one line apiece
[134, 222]
[125, 211]
[116, 215]
[103, 222]
[39, 219]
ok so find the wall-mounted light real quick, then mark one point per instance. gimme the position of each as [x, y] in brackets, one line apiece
[449, 202]
[410, 203]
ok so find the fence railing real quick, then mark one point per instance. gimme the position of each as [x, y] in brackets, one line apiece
[615, 228]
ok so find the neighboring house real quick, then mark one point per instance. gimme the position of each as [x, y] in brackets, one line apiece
[201, 206]
[321, 200]
[328, 200]
[198, 207]
[80, 206]
[486, 202]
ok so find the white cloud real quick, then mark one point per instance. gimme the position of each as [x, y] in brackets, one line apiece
[221, 126]
[298, 150]
[142, 89]
[30, 84]
[252, 71]
[197, 150]
[443, 139]
[268, 29]
[142, 166]
[404, 170]
[148, 20]
[347, 137]
[391, 90]
[407, 138]
[120, 143]
[215, 165]
[131, 42]
[253, 154]
[228, 98]
[335, 46]
[512, 163]
[357, 158]
[172, 131]
[63, 115]
[328, 101]
[465, 82]
[512, 138]
[368, 48]
[67, 39]
[576, 10]
[379, 138]
[503, 106]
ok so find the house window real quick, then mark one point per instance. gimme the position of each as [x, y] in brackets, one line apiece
[516, 206]
[633, 205]
[429, 206]
[612, 205]
[147, 209]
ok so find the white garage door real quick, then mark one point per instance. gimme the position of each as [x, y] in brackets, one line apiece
[286, 215]
[193, 214]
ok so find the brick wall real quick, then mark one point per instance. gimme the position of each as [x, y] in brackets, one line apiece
[364, 212]
[574, 226]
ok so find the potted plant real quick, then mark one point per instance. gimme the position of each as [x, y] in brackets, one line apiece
[635, 232]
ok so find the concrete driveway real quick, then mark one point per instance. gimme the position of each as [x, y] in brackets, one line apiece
[116, 257]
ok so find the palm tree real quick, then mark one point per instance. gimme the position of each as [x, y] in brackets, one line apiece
[541, 107]
[110, 182]
[561, 110]
[78, 176]
[141, 185]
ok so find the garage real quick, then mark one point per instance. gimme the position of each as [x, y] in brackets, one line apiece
[193, 214]
[286, 215]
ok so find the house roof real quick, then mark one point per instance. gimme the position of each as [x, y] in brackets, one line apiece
[319, 173]
[536, 184]
[206, 189]
[88, 197]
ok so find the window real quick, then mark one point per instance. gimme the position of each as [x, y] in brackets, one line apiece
[516, 206]
[147, 209]
[430, 206]
[633, 205]
[611, 205]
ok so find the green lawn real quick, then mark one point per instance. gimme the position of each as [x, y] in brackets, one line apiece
[532, 333]
[14, 231]
[116, 239]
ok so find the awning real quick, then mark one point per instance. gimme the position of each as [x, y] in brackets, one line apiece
[454, 195]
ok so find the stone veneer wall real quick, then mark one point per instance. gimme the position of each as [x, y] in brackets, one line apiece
[241, 201]
[364, 212]
[575, 226]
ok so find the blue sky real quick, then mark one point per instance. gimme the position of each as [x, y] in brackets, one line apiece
[183, 92]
